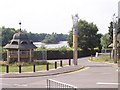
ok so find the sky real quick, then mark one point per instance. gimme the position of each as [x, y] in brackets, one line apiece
[47, 16]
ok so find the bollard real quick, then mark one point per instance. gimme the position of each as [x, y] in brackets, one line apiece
[61, 63]
[55, 65]
[69, 61]
[91, 57]
[47, 66]
[33, 67]
[19, 68]
[7, 69]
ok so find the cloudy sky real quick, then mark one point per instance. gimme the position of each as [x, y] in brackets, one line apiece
[47, 16]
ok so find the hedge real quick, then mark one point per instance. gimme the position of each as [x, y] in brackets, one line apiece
[62, 54]
[56, 54]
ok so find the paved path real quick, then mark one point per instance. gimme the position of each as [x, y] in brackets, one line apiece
[95, 75]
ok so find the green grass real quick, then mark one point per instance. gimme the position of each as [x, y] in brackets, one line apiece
[105, 58]
[27, 68]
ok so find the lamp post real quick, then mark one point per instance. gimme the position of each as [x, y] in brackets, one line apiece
[119, 10]
[75, 38]
[18, 48]
[115, 27]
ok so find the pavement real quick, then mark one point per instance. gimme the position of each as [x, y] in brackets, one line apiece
[59, 70]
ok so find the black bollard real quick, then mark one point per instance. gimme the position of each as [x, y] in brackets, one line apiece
[33, 67]
[69, 61]
[7, 68]
[47, 66]
[19, 68]
[61, 63]
[55, 65]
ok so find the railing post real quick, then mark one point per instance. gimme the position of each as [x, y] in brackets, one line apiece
[47, 66]
[61, 63]
[33, 67]
[69, 61]
[55, 65]
[7, 68]
[19, 68]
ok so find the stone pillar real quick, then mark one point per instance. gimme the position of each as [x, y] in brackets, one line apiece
[18, 55]
[8, 54]
[115, 27]
[75, 52]
[114, 47]
[30, 55]
[75, 38]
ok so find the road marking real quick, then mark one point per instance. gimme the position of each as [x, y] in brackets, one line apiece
[105, 83]
[84, 69]
[24, 85]
[81, 70]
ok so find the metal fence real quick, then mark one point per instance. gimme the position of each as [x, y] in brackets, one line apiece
[104, 54]
[60, 85]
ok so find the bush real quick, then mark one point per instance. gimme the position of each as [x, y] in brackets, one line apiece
[3, 63]
[12, 60]
[43, 62]
[62, 54]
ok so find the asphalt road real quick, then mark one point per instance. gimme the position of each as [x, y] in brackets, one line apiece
[95, 75]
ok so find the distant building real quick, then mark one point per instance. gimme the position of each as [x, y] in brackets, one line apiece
[20, 48]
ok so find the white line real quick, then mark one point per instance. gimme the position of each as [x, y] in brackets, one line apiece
[107, 83]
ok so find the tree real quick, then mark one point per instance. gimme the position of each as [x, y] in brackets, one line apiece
[105, 41]
[110, 32]
[7, 34]
[87, 36]
[54, 38]
[70, 38]
[50, 39]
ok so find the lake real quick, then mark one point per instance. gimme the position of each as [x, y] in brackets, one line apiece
[60, 44]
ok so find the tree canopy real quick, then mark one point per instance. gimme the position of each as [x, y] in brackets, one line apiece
[7, 34]
[87, 36]
[105, 41]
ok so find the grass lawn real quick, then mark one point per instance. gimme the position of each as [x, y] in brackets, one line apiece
[105, 58]
[27, 68]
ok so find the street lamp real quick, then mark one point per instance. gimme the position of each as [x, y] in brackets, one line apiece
[20, 25]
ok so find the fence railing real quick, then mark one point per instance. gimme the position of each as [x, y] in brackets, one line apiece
[56, 84]
[103, 54]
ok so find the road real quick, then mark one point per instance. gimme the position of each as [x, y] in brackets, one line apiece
[95, 75]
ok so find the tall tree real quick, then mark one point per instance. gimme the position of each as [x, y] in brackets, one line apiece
[110, 32]
[7, 34]
[87, 35]
[105, 41]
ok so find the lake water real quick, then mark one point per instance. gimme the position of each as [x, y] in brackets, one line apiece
[60, 44]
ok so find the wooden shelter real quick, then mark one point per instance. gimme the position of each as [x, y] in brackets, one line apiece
[20, 48]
